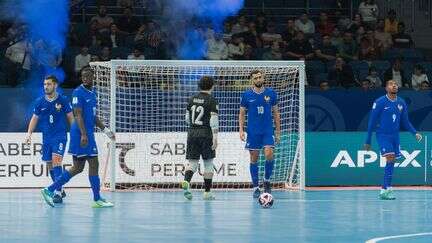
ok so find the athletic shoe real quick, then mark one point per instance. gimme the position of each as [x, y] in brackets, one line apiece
[48, 196]
[102, 203]
[63, 193]
[257, 193]
[186, 192]
[57, 198]
[386, 194]
[208, 196]
[267, 187]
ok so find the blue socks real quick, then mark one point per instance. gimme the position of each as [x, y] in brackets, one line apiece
[388, 173]
[253, 168]
[57, 172]
[63, 179]
[95, 185]
[268, 169]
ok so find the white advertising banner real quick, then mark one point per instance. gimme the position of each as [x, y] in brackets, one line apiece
[140, 158]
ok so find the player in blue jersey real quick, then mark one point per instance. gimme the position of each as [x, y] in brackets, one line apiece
[388, 112]
[82, 141]
[260, 104]
[52, 111]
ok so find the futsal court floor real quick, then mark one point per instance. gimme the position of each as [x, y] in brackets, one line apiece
[309, 216]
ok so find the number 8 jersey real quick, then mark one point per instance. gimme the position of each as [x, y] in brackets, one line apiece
[200, 107]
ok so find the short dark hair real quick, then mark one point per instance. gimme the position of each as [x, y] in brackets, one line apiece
[206, 83]
[254, 72]
[52, 78]
[86, 68]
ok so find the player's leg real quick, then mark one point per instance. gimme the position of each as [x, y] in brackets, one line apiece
[57, 157]
[192, 155]
[94, 180]
[254, 145]
[78, 167]
[269, 163]
[208, 155]
[387, 151]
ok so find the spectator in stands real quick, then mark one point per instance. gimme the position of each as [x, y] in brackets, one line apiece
[368, 9]
[361, 31]
[249, 53]
[425, 86]
[82, 60]
[369, 50]
[348, 50]
[374, 79]
[236, 48]
[17, 62]
[136, 55]
[141, 37]
[94, 58]
[125, 3]
[73, 38]
[94, 37]
[418, 77]
[336, 38]
[270, 35]
[356, 23]
[251, 37]
[365, 85]
[324, 26]
[342, 21]
[273, 53]
[103, 20]
[227, 31]
[396, 73]
[324, 85]
[155, 43]
[402, 39]
[240, 26]
[115, 38]
[289, 32]
[106, 54]
[341, 75]
[305, 25]
[391, 23]
[326, 51]
[384, 37]
[217, 49]
[299, 48]
[128, 23]
[261, 23]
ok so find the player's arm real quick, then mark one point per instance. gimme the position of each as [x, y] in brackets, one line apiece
[408, 125]
[80, 121]
[31, 127]
[375, 113]
[276, 118]
[110, 134]
[242, 115]
[214, 123]
[70, 118]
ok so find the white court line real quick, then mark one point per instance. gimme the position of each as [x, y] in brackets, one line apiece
[374, 240]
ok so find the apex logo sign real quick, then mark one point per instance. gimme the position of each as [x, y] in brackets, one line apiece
[364, 157]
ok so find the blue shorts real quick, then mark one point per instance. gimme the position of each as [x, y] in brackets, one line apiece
[76, 150]
[54, 146]
[389, 144]
[258, 141]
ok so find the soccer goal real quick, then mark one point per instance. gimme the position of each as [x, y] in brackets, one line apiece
[144, 102]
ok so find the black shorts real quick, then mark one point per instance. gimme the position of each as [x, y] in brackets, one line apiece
[200, 146]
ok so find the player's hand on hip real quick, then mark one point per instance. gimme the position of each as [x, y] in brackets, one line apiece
[215, 143]
[84, 141]
[242, 136]
[110, 134]
[419, 137]
[367, 147]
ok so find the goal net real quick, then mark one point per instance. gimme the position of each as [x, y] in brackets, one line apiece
[144, 102]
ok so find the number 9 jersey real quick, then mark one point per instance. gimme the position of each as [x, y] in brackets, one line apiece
[200, 136]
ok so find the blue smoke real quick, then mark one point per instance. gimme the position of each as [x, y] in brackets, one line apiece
[200, 13]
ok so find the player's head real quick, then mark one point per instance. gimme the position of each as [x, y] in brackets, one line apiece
[391, 87]
[257, 78]
[87, 76]
[50, 84]
[206, 83]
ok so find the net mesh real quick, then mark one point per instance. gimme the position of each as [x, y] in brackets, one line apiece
[151, 99]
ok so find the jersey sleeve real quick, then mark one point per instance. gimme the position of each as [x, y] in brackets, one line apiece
[405, 120]
[243, 100]
[77, 100]
[37, 108]
[67, 106]
[373, 118]
[274, 99]
[214, 106]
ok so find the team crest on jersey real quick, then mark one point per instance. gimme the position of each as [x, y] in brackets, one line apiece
[400, 107]
[58, 106]
[267, 98]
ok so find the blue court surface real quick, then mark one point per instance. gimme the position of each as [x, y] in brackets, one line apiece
[311, 216]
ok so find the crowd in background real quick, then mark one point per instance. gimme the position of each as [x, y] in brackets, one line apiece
[339, 52]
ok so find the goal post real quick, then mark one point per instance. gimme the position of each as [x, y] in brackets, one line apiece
[144, 102]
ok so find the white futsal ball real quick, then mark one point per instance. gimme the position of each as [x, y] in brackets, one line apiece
[265, 200]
